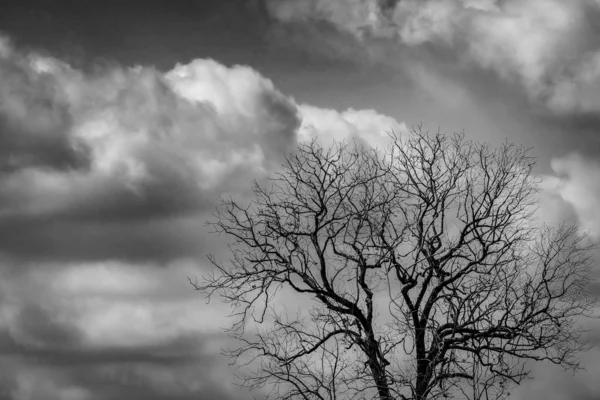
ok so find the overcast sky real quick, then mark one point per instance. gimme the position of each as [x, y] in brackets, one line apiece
[121, 122]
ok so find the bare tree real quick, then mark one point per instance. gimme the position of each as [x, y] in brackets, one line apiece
[422, 272]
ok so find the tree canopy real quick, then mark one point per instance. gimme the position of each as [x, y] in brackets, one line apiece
[420, 271]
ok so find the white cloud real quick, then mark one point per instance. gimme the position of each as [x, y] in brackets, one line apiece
[367, 126]
[545, 47]
[526, 40]
[429, 21]
[107, 155]
[576, 182]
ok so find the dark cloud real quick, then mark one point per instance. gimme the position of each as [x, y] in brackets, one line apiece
[102, 374]
[36, 329]
[34, 118]
[579, 130]
[48, 358]
[53, 239]
[64, 349]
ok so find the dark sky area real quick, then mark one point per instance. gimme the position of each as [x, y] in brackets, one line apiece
[153, 32]
[163, 33]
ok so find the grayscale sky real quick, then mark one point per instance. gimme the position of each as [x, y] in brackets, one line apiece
[121, 122]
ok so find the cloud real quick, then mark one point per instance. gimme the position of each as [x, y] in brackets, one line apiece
[366, 126]
[126, 162]
[572, 193]
[106, 179]
[34, 119]
[151, 155]
[147, 137]
[575, 181]
[110, 330]
[548, 48]
[117, 375]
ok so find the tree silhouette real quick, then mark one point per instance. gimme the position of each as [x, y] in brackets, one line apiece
[419, 272]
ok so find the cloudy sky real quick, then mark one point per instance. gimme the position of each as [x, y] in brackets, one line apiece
[121, 122]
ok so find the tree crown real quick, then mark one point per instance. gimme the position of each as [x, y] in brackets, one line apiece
[427, 272]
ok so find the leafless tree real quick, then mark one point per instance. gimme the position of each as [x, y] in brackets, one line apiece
[418, 272]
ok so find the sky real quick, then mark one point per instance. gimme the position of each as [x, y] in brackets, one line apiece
[121, 123]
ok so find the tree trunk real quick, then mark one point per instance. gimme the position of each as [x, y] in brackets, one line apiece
[380, 379]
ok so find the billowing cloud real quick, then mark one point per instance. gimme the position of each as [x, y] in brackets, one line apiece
[143, 135]
[106, 179]
[547, 47]
[125, 145]
[123, 161]
[365, 126]
[576, 181]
